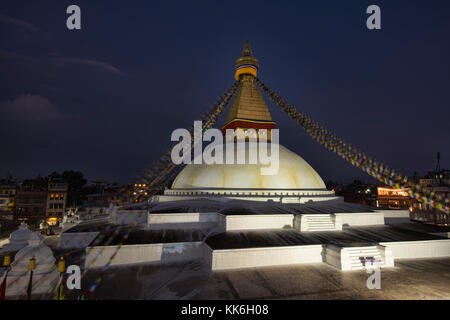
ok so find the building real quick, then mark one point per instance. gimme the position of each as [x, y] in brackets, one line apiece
[436, 178]
[425, 213]
[116, 195]
[93, 209]
[438, 182]
[392, 198]
[358, 192]
[31, 200]
[7, 201]
[56, 200]
[40, 199]
[433, 178]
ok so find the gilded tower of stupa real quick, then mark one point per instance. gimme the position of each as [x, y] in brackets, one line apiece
[248, 110]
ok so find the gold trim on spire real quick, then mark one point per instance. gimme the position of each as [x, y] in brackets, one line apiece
[248, 110]
[247, 63]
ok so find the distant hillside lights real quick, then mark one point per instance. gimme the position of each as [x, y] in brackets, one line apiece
[214, 152]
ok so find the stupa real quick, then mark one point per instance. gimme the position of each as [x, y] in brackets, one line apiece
[45, 276]
[18, 239]
[294, 182]
[220, 217]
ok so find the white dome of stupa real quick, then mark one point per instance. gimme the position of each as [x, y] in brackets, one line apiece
[293, 173]
[45, 260]
[19, 239]
[295, 180]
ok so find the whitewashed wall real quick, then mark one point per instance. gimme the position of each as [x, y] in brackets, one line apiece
[144, 253]
[258, 221]
[263, 257]
[164, 218]
[419, 249]
[361, 219]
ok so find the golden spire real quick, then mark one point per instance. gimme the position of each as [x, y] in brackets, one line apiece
[248, 110]
[247, 63]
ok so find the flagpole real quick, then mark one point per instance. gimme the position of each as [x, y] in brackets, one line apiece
[31, 267]
[6, 263]
[61, 269]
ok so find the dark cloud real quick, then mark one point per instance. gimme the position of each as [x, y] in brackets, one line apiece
[34, 116]
[32, 108]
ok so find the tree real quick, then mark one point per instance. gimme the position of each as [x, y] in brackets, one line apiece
[76, 182]
[330, 184]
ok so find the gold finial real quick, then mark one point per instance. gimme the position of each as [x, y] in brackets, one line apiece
[32, 264]
[61, 265]
[247, 64]
[7, 260]
[247, 52]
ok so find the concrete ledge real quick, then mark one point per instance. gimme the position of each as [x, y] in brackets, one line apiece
[128, 217]
[361, 218]
[394, 213]
[419, 249]
[180, 220]
[145, 253]
[395, 216]
[224, 222]
[257, 221]
[264, 257]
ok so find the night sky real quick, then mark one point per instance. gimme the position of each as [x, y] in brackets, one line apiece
[104, 100]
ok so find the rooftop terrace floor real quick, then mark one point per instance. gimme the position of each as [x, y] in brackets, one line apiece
[410, 279]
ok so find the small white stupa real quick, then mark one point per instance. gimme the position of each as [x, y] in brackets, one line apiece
[18, 239]
[45, 276]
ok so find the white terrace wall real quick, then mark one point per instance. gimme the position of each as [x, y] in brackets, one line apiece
[263, 257]
[395, 216]
[419, 249]
[258, 221]
[144, 253]
[182, 217]
[361, 219]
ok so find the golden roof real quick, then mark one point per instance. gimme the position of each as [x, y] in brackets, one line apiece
[247, 57]
[248, 102]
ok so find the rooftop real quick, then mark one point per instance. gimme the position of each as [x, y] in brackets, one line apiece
[410, 279]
